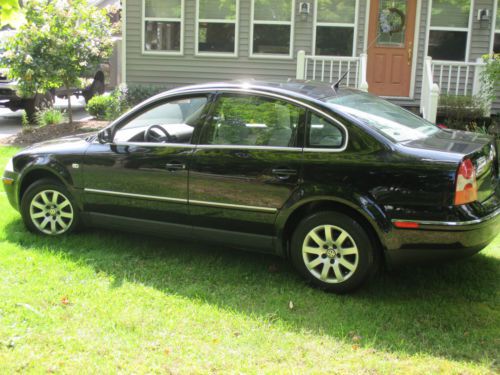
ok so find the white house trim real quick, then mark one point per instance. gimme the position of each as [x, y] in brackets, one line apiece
[494, 27]
[161, 19]
[124, 42]
[467, 29]
[367, 26]
[290, 23]
[235, 21]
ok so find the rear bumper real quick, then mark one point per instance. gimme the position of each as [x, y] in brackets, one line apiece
[435, 240]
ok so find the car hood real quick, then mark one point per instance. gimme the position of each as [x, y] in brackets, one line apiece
[71, 144]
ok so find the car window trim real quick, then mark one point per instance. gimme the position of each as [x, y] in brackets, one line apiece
[308, 147]
[307, 106]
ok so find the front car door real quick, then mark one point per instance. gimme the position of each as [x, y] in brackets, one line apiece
[245, 168]
[143, 173]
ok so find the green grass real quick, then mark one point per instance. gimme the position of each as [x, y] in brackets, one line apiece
[107, 302]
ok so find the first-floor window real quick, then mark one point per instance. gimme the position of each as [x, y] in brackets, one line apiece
[217, 26]
[496, 44]
[272, 27]
[163, 25]
[449, 28]
[335, 23]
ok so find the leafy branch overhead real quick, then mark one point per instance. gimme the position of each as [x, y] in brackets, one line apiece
[59, 43]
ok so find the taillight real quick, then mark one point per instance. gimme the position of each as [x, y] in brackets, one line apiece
[466, 185]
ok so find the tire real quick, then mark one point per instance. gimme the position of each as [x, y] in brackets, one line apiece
[44, 215]
[38, 103]
[339, 262]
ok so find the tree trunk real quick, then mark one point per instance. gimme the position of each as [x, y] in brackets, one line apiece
[70, 111]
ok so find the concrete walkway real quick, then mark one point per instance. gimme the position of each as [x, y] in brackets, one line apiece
[10, 122]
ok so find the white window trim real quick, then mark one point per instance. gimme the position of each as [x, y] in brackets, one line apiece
[236, 23]
[354, 25]
[495, 27]
[159, 19]
[467, 29]
[290, 23]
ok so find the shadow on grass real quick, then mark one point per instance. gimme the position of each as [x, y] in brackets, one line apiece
[447, 311]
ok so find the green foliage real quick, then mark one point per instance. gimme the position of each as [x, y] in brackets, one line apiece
[24, 119]
[460, 111]
[491, 76]
[56, 46]
[107, 107]
[10, 13]
[50, 116]
[136, 94]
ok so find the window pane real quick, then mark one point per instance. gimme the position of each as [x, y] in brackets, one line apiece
[162, 36]
[497, 24]
[271, 39]
[336, 11]
[450, 13]
[322, 133]
[250, 120]
[447, 45]
[163, 8]
[496, 45]
[334, 41]
[178, 118]
[216, 37]
[273, 10]
[217, 9]
[392, 16]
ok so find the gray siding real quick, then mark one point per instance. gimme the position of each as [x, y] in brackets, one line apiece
[174, 71]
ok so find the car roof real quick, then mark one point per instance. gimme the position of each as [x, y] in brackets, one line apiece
[297, 88]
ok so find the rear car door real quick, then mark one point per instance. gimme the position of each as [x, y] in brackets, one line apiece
[245, 168]
[142, 174]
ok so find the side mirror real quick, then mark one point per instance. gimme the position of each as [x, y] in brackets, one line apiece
[105, 136]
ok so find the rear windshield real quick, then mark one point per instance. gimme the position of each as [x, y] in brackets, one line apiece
[392, 121]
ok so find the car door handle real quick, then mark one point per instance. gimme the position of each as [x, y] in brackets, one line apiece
[175, 166]
[284, 173]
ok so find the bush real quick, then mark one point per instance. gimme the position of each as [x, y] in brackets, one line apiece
[460, 112]
[138, 93]
[50, 116]
[107, 107]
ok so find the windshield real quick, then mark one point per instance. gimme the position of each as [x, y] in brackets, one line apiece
[390, 120]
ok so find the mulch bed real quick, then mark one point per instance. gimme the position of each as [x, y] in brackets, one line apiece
[30, 135]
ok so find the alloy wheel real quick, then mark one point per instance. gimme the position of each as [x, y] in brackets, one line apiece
[51, 212]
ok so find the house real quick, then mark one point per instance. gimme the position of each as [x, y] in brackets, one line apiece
[407, 51]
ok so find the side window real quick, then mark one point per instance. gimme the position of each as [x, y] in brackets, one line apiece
[168, 122]
[323, 134]
[253, 120]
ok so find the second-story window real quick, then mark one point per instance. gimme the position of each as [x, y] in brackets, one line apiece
[217, 27]
[163, 28]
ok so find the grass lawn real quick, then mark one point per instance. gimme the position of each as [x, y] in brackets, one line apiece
[107, 302]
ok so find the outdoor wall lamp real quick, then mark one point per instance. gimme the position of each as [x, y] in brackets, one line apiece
[483, 15]
[304, 10]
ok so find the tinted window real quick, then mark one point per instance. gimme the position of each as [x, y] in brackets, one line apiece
[323, 133]
[256, 121]
[177, 118]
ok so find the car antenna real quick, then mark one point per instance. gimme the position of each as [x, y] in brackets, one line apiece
[336, 85]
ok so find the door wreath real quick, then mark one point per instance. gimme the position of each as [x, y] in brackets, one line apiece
[392, 20]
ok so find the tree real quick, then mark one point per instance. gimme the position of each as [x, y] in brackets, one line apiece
[59, 43]
[10, 13]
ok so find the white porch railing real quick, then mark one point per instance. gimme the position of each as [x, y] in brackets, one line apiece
[451, 78]
[332, 68]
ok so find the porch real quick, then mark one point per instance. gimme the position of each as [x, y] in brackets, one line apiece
[438, 78]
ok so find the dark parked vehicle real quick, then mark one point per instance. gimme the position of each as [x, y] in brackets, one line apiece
[336, 179]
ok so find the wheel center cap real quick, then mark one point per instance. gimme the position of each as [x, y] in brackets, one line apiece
[52, 211]
[330, 253]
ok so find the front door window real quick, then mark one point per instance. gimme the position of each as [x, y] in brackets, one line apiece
[392, 22]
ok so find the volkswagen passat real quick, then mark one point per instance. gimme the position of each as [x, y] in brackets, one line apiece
[335, 179]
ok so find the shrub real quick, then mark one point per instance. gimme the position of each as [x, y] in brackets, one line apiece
[459, 112]
[50, 116]
[138, 93]
[107, 107]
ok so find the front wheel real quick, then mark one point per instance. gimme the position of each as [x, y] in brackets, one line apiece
[48, 208]
[332, 251]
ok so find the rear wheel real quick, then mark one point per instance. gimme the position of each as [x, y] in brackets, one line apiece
[332, 251]
[48, 208]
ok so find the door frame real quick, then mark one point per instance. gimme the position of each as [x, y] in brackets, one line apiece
[416, 38]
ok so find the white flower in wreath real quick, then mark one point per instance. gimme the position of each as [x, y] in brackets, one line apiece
[385, 26]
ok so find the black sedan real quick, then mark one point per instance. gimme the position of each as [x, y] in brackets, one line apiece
[337, 180]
